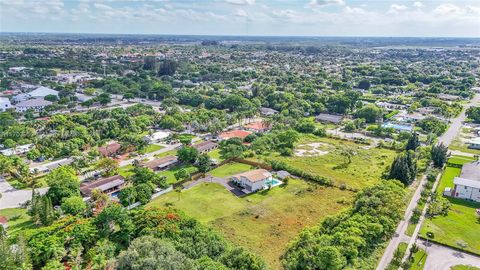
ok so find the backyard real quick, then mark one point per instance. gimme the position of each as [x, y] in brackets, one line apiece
[18, 220]
[229, 169]
[461, 226]
[264, 222]
[365, 169]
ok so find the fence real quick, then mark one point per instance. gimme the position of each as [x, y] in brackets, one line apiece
[154, 195]
[253, 163]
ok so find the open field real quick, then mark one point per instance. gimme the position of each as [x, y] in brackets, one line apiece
[464, 267]
[461, 224]
[366, 167]
[230, 169]
[151, 148]
[264, 222]
[170, 173]
[18, 220]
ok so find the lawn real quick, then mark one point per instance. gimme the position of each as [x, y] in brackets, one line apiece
[366, 167]
[125, 171]
[18, 220]
[15, 183]
[461, 224]
[215, 154]
[170, 173]
[464, 267]
[167, 153]
[419, 259]
[151, 148]
[230, 169]
[263, 222]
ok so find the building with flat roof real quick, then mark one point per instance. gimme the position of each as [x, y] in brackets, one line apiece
[467, 185]
[36, 105]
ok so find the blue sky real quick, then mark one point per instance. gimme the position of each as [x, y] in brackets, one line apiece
[245, 17]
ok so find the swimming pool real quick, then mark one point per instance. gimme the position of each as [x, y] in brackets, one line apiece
[274, 182]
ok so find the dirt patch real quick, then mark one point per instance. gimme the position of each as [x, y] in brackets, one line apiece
[311, 150]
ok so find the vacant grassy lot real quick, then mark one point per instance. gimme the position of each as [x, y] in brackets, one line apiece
[464, 267]
[18, 219]
[366, 167]
[461, 224]
[151, 148]
[419, 259]
[264, 222]
[230, 169]
[170, 173]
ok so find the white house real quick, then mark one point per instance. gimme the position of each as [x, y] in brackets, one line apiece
[21, 149]
[252, 181]
[467, 185]
[474, 143]
[36, 105]
[4, 104]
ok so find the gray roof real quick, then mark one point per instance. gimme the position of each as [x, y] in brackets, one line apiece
[329, 117]
[43, 91]
[34, 103]
[471, 171]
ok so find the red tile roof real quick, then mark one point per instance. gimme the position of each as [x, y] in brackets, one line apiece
[257, 126]
[110, 149]
[235, 134]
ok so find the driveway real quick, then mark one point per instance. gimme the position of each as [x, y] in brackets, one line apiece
[12, 198]
[237, 191]
[440, 257]
[167, 147]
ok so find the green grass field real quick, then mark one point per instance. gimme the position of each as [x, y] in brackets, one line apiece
[464, 267]
[18, 220]
[264, 222]
[170, 173]
[419, 259]
[150, 148]
[230, 169]
[366, 167]
[461, 225]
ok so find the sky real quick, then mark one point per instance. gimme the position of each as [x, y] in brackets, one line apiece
[412, 18]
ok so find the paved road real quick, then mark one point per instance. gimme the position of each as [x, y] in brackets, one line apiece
[400, 235]
[441, 258]
[12, 198]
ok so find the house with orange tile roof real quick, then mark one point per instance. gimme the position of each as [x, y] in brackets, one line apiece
[258, 127]
[236, 133]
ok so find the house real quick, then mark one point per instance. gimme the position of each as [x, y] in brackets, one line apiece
[20, 97]
[59, 163]
[157, 136]
[448, 97]
[160, 164]
[42, 92]
[205, 147]
[237, 133]
[16, 70]
[107, 185]
[390, 106]
[36, 105]
[21, 149]
[82, 97]
[267, 111]
[110, 149]
[253, 181]
[467, 185]
[5, 104]
[258, 127]
[329, 118]
[474, 143]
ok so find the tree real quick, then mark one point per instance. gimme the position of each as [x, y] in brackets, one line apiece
[108, 166]
[187, 154]
[63, 183]
[347, 153]
[143, 193]
[413, 142]
[204, 163]
[41, 209]
[439, 155]
[305, 126]
[167, 68]
[148, 252]
[369, 112]
[128, 196]
[51, 98]
[404, 168]
[104, 98]
[231, 148]
[474, 114]
[73, 205]
[181, 174]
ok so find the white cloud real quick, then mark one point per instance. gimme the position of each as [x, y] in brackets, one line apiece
[418, 4]
[240, 2]
[241, 13]
[395, 8]
[446, 9]
[326, 2]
